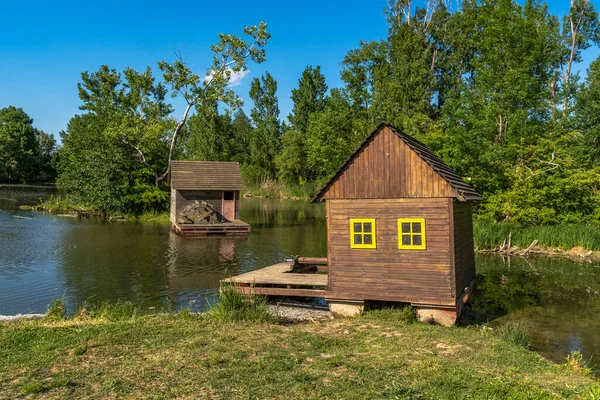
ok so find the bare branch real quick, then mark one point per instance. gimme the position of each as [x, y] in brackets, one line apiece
[141, 156]
[550, 162]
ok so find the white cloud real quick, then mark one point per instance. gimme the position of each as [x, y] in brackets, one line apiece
[234, 79]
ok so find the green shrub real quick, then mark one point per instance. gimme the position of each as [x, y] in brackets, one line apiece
[513, 333]
[56, 310]
[234, 306]
[576, 363]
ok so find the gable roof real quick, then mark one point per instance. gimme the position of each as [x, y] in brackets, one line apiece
[454, 186]
[206, 175]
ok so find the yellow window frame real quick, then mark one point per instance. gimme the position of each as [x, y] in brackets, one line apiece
[362, 233]
[411, 221]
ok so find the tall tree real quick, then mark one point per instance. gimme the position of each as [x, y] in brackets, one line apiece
[241, 127]
[25, 151]
[209, 135]
[587, 117]
[329, 139]
[265, 143]
[17, 142]
[144, 117]
[581, 29]
[308, 98]
[95, 170]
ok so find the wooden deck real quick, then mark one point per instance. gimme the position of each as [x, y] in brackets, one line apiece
[291, 278]
[233, 228]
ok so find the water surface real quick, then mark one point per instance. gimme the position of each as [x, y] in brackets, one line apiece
[557, 300]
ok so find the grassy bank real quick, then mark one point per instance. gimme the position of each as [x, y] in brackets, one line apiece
[277, 190]
[64, 205]
[380, 355]
[489, 235]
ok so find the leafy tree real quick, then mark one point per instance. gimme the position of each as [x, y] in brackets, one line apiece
[329, 139]
[209, 136]
[92, 168]
[25, 152]
[581, 28]
[17, 140]
[587, 117]
[139, 116]
[308, 98]
[291, 163]
[265, 142]
[242, 132]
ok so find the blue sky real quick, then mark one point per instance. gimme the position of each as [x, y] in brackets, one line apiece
[45, 45]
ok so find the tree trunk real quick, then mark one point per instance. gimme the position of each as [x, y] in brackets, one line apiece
[553, 93]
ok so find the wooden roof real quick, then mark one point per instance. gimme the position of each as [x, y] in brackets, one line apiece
[206, 175]
[391, 164]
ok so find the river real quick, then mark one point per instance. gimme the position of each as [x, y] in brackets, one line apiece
[91, 261]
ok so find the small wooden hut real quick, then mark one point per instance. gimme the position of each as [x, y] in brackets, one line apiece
[400, 228]
[205, 198]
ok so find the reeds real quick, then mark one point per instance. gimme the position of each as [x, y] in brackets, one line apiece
[489, 235]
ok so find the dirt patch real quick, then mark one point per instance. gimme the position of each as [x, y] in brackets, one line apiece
[294, 311]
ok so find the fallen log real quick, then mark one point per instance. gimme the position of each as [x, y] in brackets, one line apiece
[531, 246]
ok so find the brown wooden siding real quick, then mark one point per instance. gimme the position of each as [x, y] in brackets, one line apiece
[173, 215]
[388, 168]
[387, 273]
[464, 256]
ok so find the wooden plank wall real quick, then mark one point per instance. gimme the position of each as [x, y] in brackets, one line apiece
[388, 273]
[186, 197]
[172, 215]
[387, 168]
[464, 255]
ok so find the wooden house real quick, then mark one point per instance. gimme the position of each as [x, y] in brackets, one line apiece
[399, 229]
[205, 198]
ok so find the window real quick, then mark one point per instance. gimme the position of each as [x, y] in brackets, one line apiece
[362, 233]
[411, 234]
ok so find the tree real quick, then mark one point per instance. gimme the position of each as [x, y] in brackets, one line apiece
[242, 131]
[265, 143]
[94, 170]
[587, 117]
[24, 150]
[308, 98]
[329, 139]
[291, 163]
[143, 121]
[17, 141]
[209, 135]
[581, 28]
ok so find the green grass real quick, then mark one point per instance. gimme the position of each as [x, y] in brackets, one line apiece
[150, 216]
[514, 334]
[235, 307]
[56, 310]
[382, 354]
[59, 204]
[489, 235]
[275, 189]
[109, 311]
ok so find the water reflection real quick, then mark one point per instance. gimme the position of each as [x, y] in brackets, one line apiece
[95, 261]
[555, 299]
